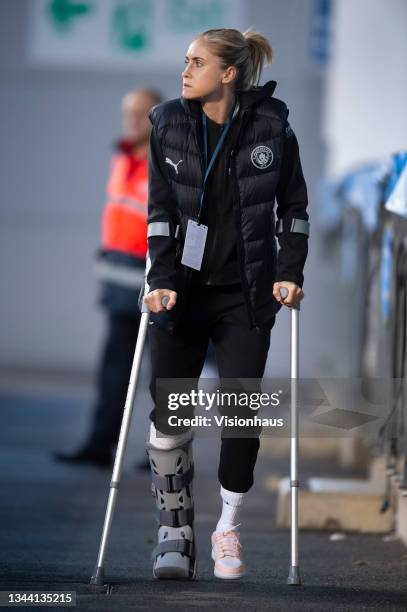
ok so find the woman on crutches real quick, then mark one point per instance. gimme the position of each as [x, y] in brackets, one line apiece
[219, 156]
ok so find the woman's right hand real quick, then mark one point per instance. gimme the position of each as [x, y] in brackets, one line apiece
[154, 303]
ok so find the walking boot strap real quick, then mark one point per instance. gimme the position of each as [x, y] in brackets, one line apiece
[175, 518]
[186, 547]
[171, 483]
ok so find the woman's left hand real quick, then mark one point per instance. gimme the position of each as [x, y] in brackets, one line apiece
[295, 293]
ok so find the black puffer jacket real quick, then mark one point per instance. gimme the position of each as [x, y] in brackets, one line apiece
[260, 141]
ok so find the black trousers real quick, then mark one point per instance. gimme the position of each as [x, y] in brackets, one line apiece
[113, 380]
[219, 314]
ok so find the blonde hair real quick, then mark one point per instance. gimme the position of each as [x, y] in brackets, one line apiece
[248, 51]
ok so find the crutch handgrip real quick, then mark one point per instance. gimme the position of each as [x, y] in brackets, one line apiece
[165, 301]
[284, 293]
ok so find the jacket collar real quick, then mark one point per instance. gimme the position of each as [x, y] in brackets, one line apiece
[245, 99]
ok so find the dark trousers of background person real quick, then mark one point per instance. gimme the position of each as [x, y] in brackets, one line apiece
[113, 380]
[217, 313]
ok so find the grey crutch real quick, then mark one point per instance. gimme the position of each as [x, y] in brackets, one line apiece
[294, 572]
[98, 574]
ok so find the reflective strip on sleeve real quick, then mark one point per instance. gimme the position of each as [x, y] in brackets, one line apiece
[158, 228]
[161, 228]
[299, 226]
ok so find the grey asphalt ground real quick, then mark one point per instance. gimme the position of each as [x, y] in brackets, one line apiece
[52, 516]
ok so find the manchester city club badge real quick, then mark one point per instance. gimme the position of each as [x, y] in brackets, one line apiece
[262, 157]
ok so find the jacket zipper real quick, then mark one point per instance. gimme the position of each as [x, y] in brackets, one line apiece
[201, 160]
[210, 255]
[238, 219]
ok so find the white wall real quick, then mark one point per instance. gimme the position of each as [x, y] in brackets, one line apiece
[366, 88]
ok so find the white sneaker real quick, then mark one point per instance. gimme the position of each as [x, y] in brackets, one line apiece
[227, 554]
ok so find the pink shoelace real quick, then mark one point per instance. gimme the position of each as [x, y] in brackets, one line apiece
[228, 544]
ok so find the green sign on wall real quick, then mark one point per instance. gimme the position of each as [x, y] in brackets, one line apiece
[63, 13]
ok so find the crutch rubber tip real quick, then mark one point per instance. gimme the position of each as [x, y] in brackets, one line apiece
[98, 576]
[294, 575]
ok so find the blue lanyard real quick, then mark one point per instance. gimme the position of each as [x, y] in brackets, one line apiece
[214, 155]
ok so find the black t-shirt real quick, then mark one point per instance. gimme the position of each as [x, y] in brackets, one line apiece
[220, 260]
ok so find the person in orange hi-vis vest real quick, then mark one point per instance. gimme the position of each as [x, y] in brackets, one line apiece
[120, 267]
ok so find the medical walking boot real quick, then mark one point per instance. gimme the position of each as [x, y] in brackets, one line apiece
[172, 473]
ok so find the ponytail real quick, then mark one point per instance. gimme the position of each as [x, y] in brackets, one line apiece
[260, 53]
